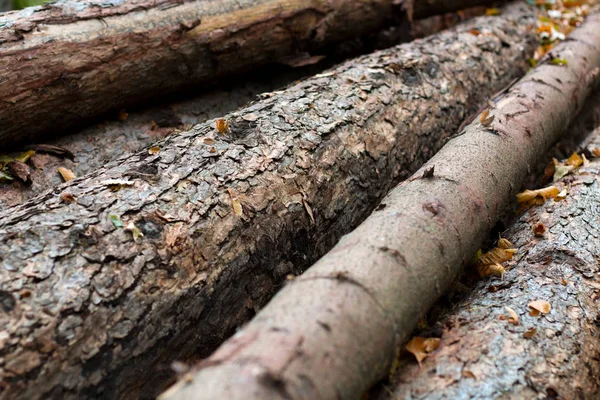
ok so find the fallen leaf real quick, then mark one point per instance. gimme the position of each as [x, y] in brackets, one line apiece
[135, 231]
[493, 11]
[5, 177]
[222, 125]
[490, 269]
[475, 32]
[208, 141]
[528, 334]
[561, 171]
[575, 160]
[66, 174]
[514, 318]
[235, 203]
[540, 306]
[308, 210]
[67, 197]
[123, 115]
[116, 221]
[19, 169]
[539, 229]
[559, 61]
[422, 347]
[563, 282]
[539, 194]
[484, 120]
[23, 157]
[497, 255]
[595, 151]
[154, 150]
[505, 244]
[468, 374]
[561, 196]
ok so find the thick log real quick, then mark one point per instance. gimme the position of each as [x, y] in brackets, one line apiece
[334, 331]
[556, 355]
[69, 60]
[98, 144]
[91, 312]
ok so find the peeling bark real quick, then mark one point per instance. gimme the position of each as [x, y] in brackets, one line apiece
[100, 143]
[334, 331]
[94, 312]
[481, 356]
[121, 53]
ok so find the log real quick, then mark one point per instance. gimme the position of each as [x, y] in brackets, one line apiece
[92, 312]
[97, 144]
[556, 355]
[334, 331]
[70, 60]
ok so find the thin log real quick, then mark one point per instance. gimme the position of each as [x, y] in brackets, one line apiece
[91, 311]
[334, 331]
[554, 355]
[69, 60]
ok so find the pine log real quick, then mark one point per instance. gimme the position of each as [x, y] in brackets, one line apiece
[69, 60]
[334, 331]
[97, 144]
[556, 355]
[91, 311]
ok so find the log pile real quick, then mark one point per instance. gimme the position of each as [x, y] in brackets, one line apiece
[178, 224]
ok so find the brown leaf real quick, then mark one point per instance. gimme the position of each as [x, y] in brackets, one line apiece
[66, 174]
[154, 150]
[67, 197]
[51, 149]
[541, 306]
[422, 347]
[208, 141]
[222, 125]
[528, 334]
[468, 374]
[19, 169]
[539, 229]
[123, 115]
[543, 194]
[484, 119]
[574, 160]
[308, 210]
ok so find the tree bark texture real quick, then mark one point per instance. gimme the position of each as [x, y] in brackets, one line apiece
[335, 330]
[483, 357]
[68, 60]
[98, 144]
[91, 312]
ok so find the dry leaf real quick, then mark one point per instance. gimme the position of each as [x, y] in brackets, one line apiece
[497, 255]
[19, 169]
[514, 318]
[484, 119]
[475, 32]
[51, 149]
[563, 282]
[561, 196]
[528, 334]
[123, 115]
[505, 244]
[540, 306]
[492, 11]
[308, 210]
[208, 141]
[135, 231]
[67, 197]
[66, 174]
[154, 150]
[539, 194]
[574, 160]
[468, 374]
[595, 152]
[422, 347]
[222, 125]
[539, 229]
[235, 203]
[561, 171]
[490, 269]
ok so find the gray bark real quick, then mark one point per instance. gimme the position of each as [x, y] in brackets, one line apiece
[91, 312]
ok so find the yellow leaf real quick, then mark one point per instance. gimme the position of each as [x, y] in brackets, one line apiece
[23, 157]
[222, 125]
[135, 231]
[505, 244]
[490, 269]
[422, 347]
[492, 11]
[235, 203]
[575, 160]
[154, 150]
[540, 306]
[543, 194]
[497, 255]
[66, 174]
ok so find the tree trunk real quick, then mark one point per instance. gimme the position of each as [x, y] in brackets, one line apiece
[91, 312]
[122, 53]
[126, 133]
[334, 331]
[556, 355]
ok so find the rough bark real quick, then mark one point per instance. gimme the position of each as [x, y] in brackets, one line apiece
[481, 356]
[100, 143]
[91, 312]
[334, 331]
[68, 60]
